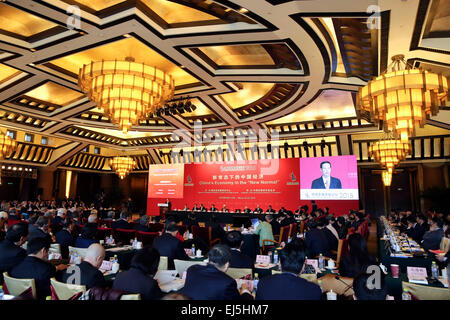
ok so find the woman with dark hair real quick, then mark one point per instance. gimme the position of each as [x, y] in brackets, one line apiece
[358, 259]
[139, 278]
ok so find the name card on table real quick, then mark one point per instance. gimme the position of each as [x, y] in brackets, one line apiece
[417, 275]
[312, 262]
[262, 259]
[106, 265]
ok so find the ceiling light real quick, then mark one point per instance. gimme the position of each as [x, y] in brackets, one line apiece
[387, 177]
[122, 165]
[243, 10]
[389, 151]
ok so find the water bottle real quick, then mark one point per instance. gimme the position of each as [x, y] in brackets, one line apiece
[406, 295]
[255, 281]
[193, 250]
[115, 258]
[135, 243]
[321, 261]
[275, 257]
[434, 270]
[1, 293]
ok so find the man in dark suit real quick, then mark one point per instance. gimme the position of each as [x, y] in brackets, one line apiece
[90, 276]
[35, 266]
[288, 285]
[11, 254]
[432, 239]
[202, 207]
[233, 239]
[195, 208]
[169, 246]
[143, 224]
[270, 210]
[213, 208]
[316, 241]
[65, 237]
[41, 230]
[258, 209]
[326, 181]
[247, 210]
[421, 227]
[331, 234]
[275, 224]
[211, 282]
[122, 223]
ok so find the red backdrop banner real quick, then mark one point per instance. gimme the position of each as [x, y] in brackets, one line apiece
[246, 184]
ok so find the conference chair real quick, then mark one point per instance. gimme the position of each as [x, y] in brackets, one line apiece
[204, 233]
[65, 291]
[156, 227]
[238, 273]
[146, 237]
[182, 265]
[80, 251]
[11, 222]
[102, 233]
[422, 292]
[342, 250]
[445, 244]
[124, 236]
[136, 296]
[284, 236]
[163, 263]
[19, 287]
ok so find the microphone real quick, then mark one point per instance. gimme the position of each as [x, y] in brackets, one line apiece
[348, 286]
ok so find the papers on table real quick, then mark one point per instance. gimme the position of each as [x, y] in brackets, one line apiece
[262, 259]
[174, 285]
[401, 255]
[168, 281]
[444, 281]
[264, 266]
[8, 297]
[417, 275]
[118, 249]
[106, 266]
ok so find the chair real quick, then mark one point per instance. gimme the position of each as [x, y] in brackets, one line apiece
[284, 236]
[80, 251]
[341, 251]
[204, 233]
[11, 222]
[156, 227]
[146, 237]
[237, 273]
[65, 291]
[136, 296]
[329, 282]
[163, 263]
[102, 233]
[182, 265]
[55, 248]
[19, 287]
[124, 236]
[363, 229]
[423, 292]
[445, 244]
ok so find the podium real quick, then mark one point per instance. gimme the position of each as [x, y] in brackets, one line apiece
[164, 208]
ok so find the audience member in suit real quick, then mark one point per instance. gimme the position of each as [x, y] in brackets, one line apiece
[87, 236]
[275, 225]
[340, 226]
[313, 206]
[190, 221]
[432, 238]
[35, 266]
[316, 240]
[141, 214]
[90, 276]
[358, 259]
[264, 230]
[143, 224]
[363, 292]
[59, 219]
[422, 227]
[289, 285]
[11, 254]
[65, 237]
[41, 230]
[139, 278]
[234, 240]
[217, 231]
[289, 219]
[211, 282]
[331, 233]
[122, 223]
[169, 246]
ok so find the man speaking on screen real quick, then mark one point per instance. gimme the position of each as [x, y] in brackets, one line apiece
[326, 181]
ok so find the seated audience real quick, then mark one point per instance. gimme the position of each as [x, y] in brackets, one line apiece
[41, 230]
[87, 237]
[233, 239]
[139, 278]
[3, 224]
[275, 225]
[169, 246]
[35, 266]
[358, 259]
[11, 253]
[211, 282]
[264, 230]
[362, 291]
[331, 233]
[316, 240]
[122, 223]
[289, 285]
[65, 237]
[143, 224]
[432, 238]
[340, 226]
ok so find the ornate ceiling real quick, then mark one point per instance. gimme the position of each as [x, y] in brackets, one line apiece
[288, 67]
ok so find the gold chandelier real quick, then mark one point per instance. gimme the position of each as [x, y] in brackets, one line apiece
[7, 146]
[126, 90]
[387, 177]
[122, 165]
[403, 98]
[389, 151]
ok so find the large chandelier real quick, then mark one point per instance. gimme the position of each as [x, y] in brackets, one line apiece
[126, 90]
[7, 146]
[389, 151]
[122, 165]
[403, 97]
[387, 177]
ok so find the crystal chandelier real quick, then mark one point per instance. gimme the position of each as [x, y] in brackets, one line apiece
[122, 165]
[387, 177]
[403, 97]
[127, 91]
[389, 151]
[7, 146]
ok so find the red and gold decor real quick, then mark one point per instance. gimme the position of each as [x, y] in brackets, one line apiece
[389, 151]
[122, 165]
[403, 97]
[7, 146]
[126, 90]
[387, 177]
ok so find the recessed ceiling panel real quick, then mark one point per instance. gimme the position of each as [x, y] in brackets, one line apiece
[54, 94]
[7, 72]
[249, 93]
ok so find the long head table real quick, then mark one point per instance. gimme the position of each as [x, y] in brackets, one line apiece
[221, 217]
